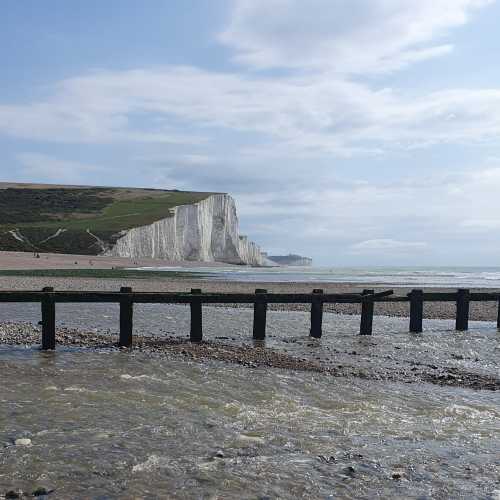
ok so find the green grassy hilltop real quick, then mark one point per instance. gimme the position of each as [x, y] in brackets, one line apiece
[79, 219]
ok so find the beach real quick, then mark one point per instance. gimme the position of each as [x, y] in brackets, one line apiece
[28, 260]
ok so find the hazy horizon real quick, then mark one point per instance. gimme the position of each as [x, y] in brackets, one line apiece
[359, 134]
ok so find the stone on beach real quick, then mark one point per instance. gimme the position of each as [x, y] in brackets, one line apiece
[23, 442]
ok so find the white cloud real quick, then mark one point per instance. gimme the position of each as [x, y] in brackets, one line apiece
[48, 169]
[318, 110]
[482, 224]
[382, 245]
[357, 36]
[310, 116]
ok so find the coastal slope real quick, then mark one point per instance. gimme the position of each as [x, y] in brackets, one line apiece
[123, 222]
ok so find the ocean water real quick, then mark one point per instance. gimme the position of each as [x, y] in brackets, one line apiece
[455, 277]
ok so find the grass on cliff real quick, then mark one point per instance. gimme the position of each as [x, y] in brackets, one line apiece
[37, 212]
[106, 209]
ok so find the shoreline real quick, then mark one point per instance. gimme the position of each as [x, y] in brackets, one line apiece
[27, 261]
[256, 356]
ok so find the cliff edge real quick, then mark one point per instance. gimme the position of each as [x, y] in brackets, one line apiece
[206, 231]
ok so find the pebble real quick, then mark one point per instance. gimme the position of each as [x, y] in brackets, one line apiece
[251, 439]
[23, 442]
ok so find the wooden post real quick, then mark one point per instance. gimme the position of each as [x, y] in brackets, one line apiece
[196, 333]
[126, 317]
[366, 325]
[416, 310]
[48, 320]
[259, 317]
[498, 314]
[463, 298]
[316, 315]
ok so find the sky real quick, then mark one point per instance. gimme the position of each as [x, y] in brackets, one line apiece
[356, 132]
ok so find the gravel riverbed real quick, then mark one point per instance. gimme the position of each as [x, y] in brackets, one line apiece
[333, 362]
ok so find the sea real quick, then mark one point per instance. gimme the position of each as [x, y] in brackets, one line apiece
[473, 277]
[108, 424]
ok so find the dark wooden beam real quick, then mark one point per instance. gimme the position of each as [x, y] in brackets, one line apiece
[462, 320]
[416, 310]
[126, 317]
[316, 314]
[259, 314]
[48, 320]
[196, 332]
[366, 326]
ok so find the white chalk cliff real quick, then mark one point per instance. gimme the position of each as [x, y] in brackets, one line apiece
[206, 231]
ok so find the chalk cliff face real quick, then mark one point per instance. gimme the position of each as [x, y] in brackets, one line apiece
[206, 231]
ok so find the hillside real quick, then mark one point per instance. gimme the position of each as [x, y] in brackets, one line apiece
[80, 219]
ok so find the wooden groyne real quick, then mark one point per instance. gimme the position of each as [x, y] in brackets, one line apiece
[126, 298]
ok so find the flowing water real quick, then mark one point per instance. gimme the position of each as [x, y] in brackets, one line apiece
[111, 424]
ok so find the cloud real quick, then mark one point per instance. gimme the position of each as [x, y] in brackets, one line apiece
[437, 218]
[353, 37]
[318, 110]
[481, 225]
[310, 116]
[378, 245]
[49, 169]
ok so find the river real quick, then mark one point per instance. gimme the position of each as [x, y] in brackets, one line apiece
[110, 424]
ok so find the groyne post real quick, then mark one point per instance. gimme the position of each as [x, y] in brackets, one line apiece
[316, 314]
[416, 310]
[366, 325]
[196, 332]
[498, 314]
[259, 316]
[126, 317]
[48, 320]
[463, 300]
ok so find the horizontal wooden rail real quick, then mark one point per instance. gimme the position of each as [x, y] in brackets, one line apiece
[187, 298]
[126, 298]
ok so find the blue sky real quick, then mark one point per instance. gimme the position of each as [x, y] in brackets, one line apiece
[359, 133]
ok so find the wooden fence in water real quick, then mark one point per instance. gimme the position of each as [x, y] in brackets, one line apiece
[126, 298]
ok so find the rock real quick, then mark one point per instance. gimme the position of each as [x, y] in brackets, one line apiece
[39, 492]
[396, 476]
[23, 442]
[219, 454]
[350, 471]
[244, 438]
